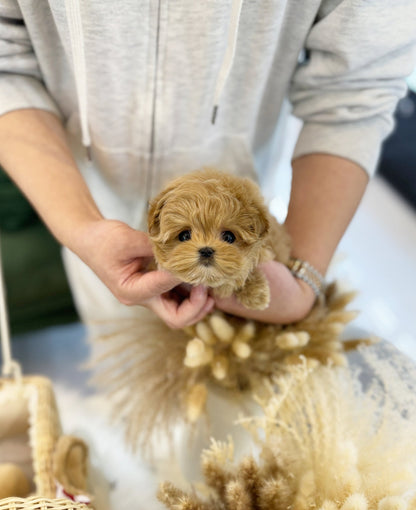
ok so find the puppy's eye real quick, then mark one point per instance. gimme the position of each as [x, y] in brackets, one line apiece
[228, 236]
[185, 235]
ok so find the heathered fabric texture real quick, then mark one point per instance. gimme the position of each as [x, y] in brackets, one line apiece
[152, 67]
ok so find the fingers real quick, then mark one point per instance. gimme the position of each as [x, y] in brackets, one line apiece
[231, 305]
[291, 299]
[197, 306]
[188, 312]
[119, 256]
[142, 287]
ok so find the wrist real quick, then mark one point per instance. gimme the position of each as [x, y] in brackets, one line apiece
[308, 294]
[307, 274]
[86, 236]
[76, 228]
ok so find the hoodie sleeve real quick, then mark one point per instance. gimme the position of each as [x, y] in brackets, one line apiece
[357, 57]
[21, 83]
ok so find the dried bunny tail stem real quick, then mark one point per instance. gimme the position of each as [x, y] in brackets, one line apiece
[177, 499]
[198, 353]
[196, 401]
[249, 475]
[333, 302]
[325, 356]
[237, 496]
[339, 300]
[322, 330]
[355, 501]
[246, 332]
[205, 333]
[241, 349]
[290, 340]
[168, 494]
[222, 329]
[342, 316]
[217, 465]
[352, 345]
[219, 367]
[276, 493]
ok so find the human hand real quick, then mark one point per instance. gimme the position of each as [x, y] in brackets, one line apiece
[120, 256]
[291, 299]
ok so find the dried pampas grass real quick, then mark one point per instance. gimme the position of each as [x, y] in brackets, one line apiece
[330, 438]
[239, 354]
[158, 377]
[143, 374]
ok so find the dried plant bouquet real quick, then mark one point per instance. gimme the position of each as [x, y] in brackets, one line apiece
[159, 377]
[330, 438]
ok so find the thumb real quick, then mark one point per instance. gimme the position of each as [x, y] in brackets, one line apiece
[144, 286]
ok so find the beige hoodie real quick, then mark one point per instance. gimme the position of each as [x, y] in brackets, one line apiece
[137, 80]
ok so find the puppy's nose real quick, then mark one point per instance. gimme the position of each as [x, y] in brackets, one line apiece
[206, 252]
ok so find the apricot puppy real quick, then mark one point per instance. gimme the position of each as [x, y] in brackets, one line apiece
[213, 228]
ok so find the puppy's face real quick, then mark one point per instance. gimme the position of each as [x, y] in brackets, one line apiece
[207, 228]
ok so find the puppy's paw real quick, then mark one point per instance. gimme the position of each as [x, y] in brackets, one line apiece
[256, 293]
[224, 291]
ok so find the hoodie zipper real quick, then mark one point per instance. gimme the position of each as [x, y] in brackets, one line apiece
[151, 167]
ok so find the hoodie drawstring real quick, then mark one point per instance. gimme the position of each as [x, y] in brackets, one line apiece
[229, 54]
[76, 35]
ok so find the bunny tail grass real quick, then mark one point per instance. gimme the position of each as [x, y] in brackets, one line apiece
[332, 438]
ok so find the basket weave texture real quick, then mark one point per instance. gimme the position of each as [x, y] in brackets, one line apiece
[45, 433]
[36, 503]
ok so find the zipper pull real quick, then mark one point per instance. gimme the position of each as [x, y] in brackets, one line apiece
[214, 114]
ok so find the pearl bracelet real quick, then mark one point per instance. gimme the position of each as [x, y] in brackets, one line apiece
[306, 272]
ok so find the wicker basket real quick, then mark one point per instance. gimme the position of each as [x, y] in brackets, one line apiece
[37, 460]
[58, 462]
[36, 503]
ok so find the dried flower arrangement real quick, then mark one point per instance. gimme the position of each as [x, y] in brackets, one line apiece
[328, 440]
[146, 361]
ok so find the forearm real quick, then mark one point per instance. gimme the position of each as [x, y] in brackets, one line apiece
[326, 191]
[35, 153]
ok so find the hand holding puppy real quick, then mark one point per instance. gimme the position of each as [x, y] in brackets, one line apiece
[234, 236]
[120, 256]
[291, 299]
[213, 228]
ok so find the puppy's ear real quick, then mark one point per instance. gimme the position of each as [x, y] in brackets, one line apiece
[153, 215]
[260, 224]
[256, 223]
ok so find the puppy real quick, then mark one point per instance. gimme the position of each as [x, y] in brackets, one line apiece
[213, 228]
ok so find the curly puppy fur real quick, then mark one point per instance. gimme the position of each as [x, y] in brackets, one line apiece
[213, 228]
